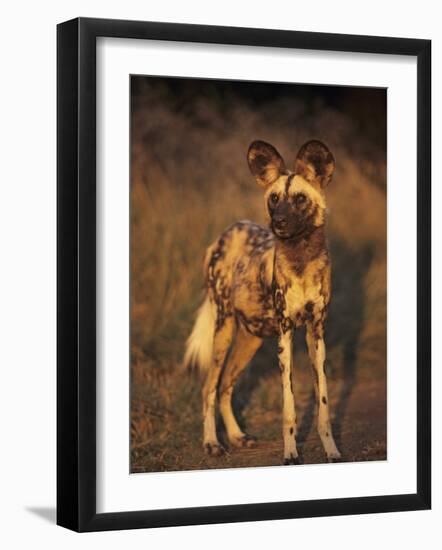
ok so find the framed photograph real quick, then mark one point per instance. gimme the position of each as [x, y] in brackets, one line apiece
[243, 274]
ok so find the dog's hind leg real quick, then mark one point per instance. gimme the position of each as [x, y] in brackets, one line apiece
[244, 348]
[221, 343]
[316, 350]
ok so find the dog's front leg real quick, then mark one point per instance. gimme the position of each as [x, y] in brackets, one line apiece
[285, 357]
[316, 348]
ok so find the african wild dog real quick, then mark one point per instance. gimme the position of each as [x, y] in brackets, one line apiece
[264, 283]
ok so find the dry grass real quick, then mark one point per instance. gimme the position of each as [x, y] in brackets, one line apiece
[189, 181]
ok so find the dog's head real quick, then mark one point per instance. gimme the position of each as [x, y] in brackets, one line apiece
[295, 201]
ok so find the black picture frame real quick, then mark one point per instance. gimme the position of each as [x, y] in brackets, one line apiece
[76, 273]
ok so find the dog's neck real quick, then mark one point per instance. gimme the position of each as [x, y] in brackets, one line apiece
[293, 255]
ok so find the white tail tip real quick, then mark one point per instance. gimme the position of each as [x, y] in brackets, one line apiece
[199, 345]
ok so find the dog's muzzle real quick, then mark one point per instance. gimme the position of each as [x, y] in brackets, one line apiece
[280, 223]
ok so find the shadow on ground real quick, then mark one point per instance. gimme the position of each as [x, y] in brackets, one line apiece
[47, 513]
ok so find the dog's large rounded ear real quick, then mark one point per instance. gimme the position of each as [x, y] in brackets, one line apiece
[265, 163]
[315, 163]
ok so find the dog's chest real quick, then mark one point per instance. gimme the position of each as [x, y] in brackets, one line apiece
[305, 296]
[303, 301]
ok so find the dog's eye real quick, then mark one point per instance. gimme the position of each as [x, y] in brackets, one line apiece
[274, 198]
[300, 199]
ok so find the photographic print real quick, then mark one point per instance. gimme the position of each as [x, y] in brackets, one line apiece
[257, 273]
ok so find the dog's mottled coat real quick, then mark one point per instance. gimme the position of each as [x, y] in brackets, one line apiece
[266, 282]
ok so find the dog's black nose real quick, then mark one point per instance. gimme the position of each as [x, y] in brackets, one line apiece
[280, 222]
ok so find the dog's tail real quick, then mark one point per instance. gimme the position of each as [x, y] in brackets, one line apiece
[199, 345]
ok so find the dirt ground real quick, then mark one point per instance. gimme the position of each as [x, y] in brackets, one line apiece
[172, 432]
